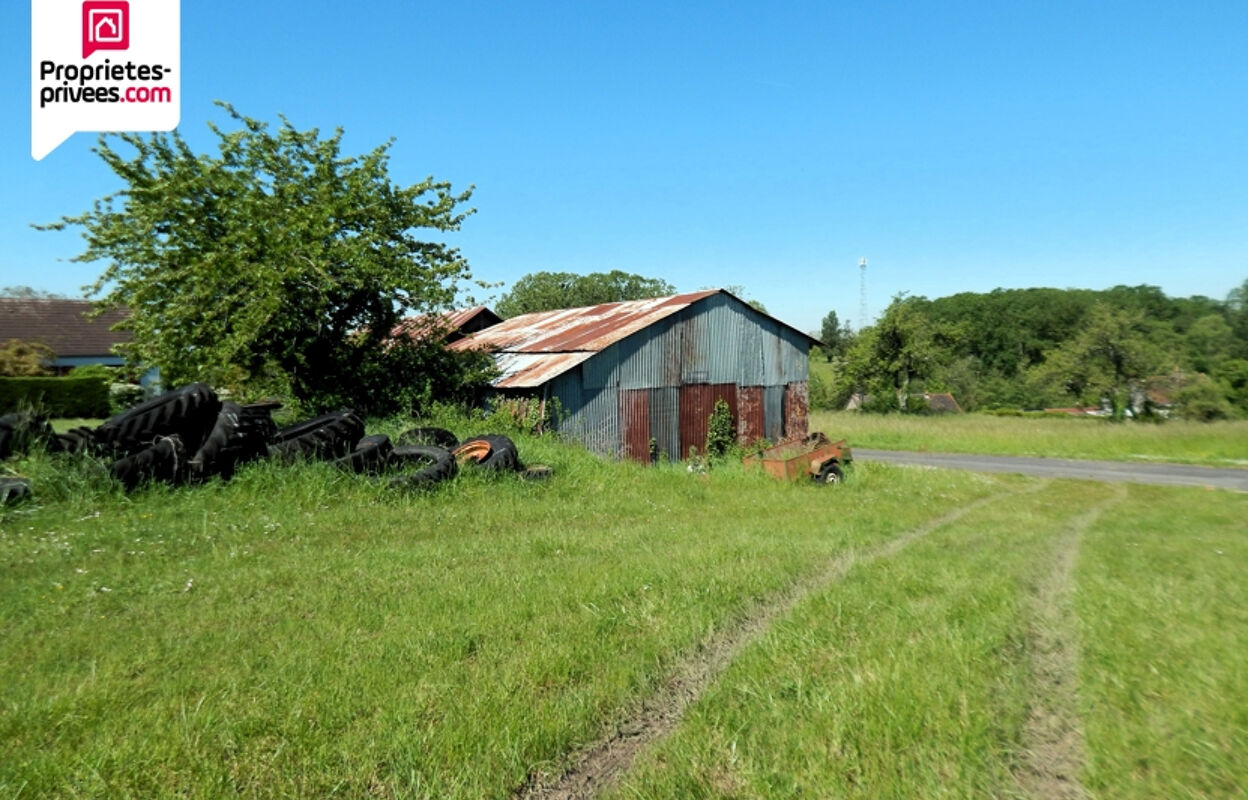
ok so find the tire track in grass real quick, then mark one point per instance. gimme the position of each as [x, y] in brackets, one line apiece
[599, 766]
[1053, 744]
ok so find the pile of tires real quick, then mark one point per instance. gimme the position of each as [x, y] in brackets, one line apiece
[189, 435]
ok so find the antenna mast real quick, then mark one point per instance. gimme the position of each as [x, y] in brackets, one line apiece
[862, 294]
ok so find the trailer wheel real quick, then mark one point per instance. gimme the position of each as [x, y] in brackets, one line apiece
[829, 474]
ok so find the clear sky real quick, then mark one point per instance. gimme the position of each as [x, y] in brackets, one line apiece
[958, 146]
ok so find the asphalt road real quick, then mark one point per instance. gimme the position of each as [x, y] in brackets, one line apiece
[1111, 471]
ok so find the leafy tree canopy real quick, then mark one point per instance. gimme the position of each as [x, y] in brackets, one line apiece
[276, 264]
[545, 291]
[30, 293]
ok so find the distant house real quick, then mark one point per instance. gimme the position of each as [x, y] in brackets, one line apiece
[65, 327]
[936, 402]
[456, 324]
[643, 374]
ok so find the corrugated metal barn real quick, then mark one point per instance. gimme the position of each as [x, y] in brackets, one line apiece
[628, 373]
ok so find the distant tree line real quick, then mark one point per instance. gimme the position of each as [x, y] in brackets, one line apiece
[1130, 347]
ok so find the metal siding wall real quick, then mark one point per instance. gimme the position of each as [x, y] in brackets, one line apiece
[773, 412]
[697, 401]
[750, 371]
[644, 357]
[599, 424]
[795, 357]
[796, 409]
[665, 420]
[602, 371]
[695, 355]
[635, 424]
[751, 420]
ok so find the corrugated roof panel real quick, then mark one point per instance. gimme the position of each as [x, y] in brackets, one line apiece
[591, 328]
[529, 370]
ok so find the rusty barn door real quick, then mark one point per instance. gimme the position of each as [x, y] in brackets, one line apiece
[697, 401]
[635, 424]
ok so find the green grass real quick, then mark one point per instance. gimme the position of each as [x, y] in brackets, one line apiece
[911, 678]
[1218, 444]
[1163, 604]
[63, 424]
[299, 632]
[304, 633]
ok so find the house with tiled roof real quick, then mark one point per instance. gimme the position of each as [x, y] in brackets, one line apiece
[66, 327]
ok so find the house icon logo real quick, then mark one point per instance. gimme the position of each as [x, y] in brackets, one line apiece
[105, 26]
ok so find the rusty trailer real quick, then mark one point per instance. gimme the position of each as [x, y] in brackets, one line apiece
[815, 457]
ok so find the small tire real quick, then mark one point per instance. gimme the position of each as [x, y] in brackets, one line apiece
[439, 437]
[431, 465]
[537, 472]
[370, 456]
[829, 475]
[13, 491]
[503, 455]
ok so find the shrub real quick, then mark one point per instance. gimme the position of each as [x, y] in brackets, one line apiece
[721, 430]
[56, 397]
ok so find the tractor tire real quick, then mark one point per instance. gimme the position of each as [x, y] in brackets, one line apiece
[502, 457]
[326, 437]
[370, 456]
[188, 413]
[432, 466]
[80, 440]
[439, 437]
[163, 461]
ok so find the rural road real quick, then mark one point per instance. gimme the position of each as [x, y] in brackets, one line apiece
[1111, 471]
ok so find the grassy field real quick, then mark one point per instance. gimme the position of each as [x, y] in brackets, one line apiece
[302, 633]
[1215, 444]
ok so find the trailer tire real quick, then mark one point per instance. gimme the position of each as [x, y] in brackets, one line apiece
[829, 474]
[503, 455]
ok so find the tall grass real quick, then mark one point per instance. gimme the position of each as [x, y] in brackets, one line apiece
[300, 632]
[1164, 610]
[1221, 444]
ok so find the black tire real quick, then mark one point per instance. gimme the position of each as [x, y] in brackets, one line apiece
[370, 456]
[189, 413]
[218, 454]
[829, 474]
[163, 461]
[439, 437]
[80, 440]
[503, 455]
[328, 436]
[13, 490]
[537, 472]
[423, 465]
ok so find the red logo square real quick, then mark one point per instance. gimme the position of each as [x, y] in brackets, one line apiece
[105, 26]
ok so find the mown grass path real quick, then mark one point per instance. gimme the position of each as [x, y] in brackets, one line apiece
[598, 767]
[1053, 739]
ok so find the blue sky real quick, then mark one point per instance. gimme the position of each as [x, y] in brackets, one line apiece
[958, 146]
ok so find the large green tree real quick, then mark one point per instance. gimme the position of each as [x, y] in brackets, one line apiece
[544, 291]
[903, 347]
[1114, 352]
[277, 263]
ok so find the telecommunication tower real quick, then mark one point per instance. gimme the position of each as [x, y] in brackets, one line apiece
[862, 294]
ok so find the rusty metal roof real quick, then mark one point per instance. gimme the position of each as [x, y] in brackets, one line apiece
[531, 349]
[454, 321]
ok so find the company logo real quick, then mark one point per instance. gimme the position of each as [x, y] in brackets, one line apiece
[135, 85]
[105, 26]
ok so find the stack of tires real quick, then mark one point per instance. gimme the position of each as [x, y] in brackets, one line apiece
[189, 435]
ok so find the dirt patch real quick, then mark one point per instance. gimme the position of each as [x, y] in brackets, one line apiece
[1053, 743]
[600, 765]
